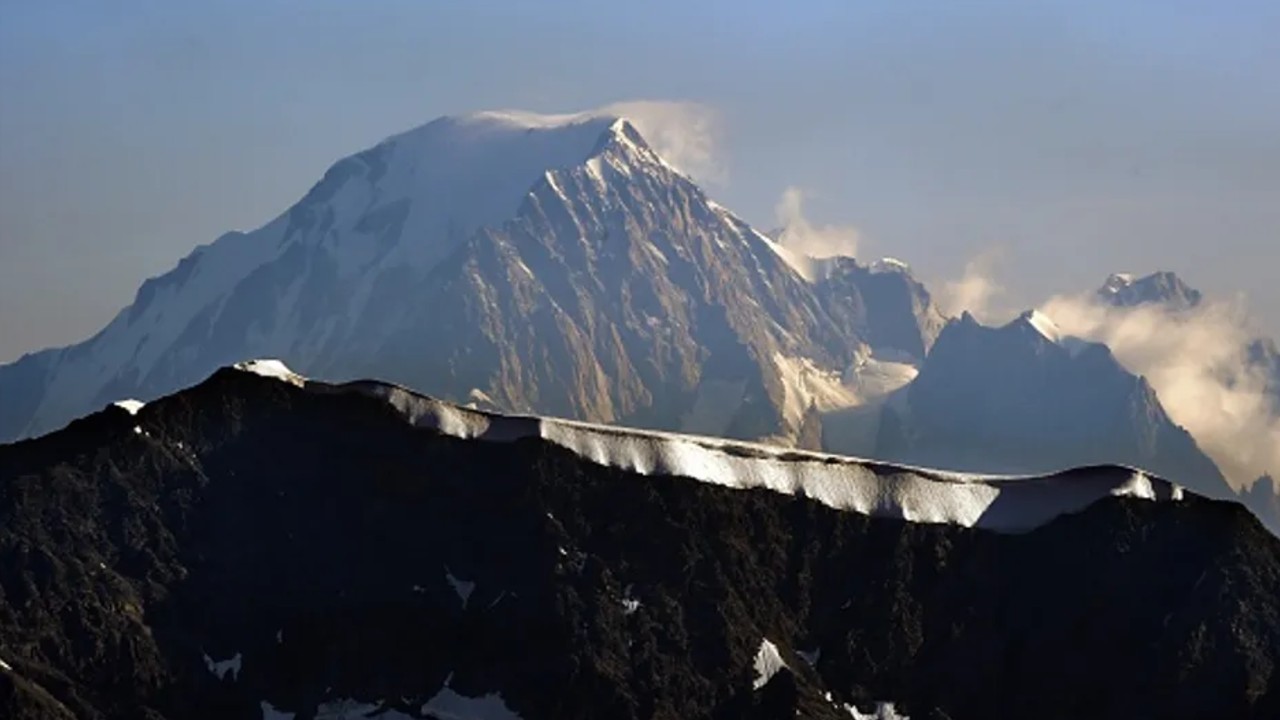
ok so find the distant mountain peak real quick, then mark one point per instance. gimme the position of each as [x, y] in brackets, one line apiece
[1041, 324]
[889, 264]
[1163, 288]
[987, 398]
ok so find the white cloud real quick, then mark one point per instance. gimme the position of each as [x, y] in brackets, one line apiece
[685, 134]
[802, 241]
[977, 291]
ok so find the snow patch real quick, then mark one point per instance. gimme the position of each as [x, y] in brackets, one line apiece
[130, 406]
[1043, 324]
[271, 368]
[461, 587]
[629, 604]
[883, 711]
[1117, 282]
[220, 668]
[767, 664]
[806, 385]
[889, 265]
[449, 705]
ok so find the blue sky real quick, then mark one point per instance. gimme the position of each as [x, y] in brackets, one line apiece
[1072, 139]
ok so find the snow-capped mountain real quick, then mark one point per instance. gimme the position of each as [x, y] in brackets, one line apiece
[1256, 368]
[537, 263]
[264, 547]
[1026, 398]
[1159, 288]
[1167, 291]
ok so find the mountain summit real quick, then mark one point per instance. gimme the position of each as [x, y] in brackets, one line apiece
[1160, 288]
[554, 264]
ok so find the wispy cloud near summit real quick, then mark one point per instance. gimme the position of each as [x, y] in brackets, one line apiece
[685, 134]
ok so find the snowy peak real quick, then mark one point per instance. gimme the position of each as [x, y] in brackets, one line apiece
[1160, 288]
[888, 264]
[1117, 282]
[1042, 324]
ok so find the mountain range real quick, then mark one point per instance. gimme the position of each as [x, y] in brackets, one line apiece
[266, 546]
[580, 445]
[558, 265]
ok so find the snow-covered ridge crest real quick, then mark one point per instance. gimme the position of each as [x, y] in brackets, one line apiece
[1043, 324]
[998, 503]
[271, 368]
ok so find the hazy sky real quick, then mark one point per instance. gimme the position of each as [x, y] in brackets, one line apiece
[1077, 138]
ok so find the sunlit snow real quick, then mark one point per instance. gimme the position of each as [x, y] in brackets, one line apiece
[767, 664]
[131, 406]
[272, 369]
[1043, 324]
[1002, 503]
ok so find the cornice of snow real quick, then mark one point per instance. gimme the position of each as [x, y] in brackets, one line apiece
[1042, 324]
[997, 503]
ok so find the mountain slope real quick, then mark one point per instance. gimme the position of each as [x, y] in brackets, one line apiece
[1022, 398]
[897, 311]
[546, 263]
[257, 548]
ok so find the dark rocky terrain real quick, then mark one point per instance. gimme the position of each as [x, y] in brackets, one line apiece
[331, 551]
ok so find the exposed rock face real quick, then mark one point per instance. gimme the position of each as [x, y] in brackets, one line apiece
[251, 549]
[1022, 399]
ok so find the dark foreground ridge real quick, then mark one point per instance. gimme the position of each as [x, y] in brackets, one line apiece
[248, 548]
